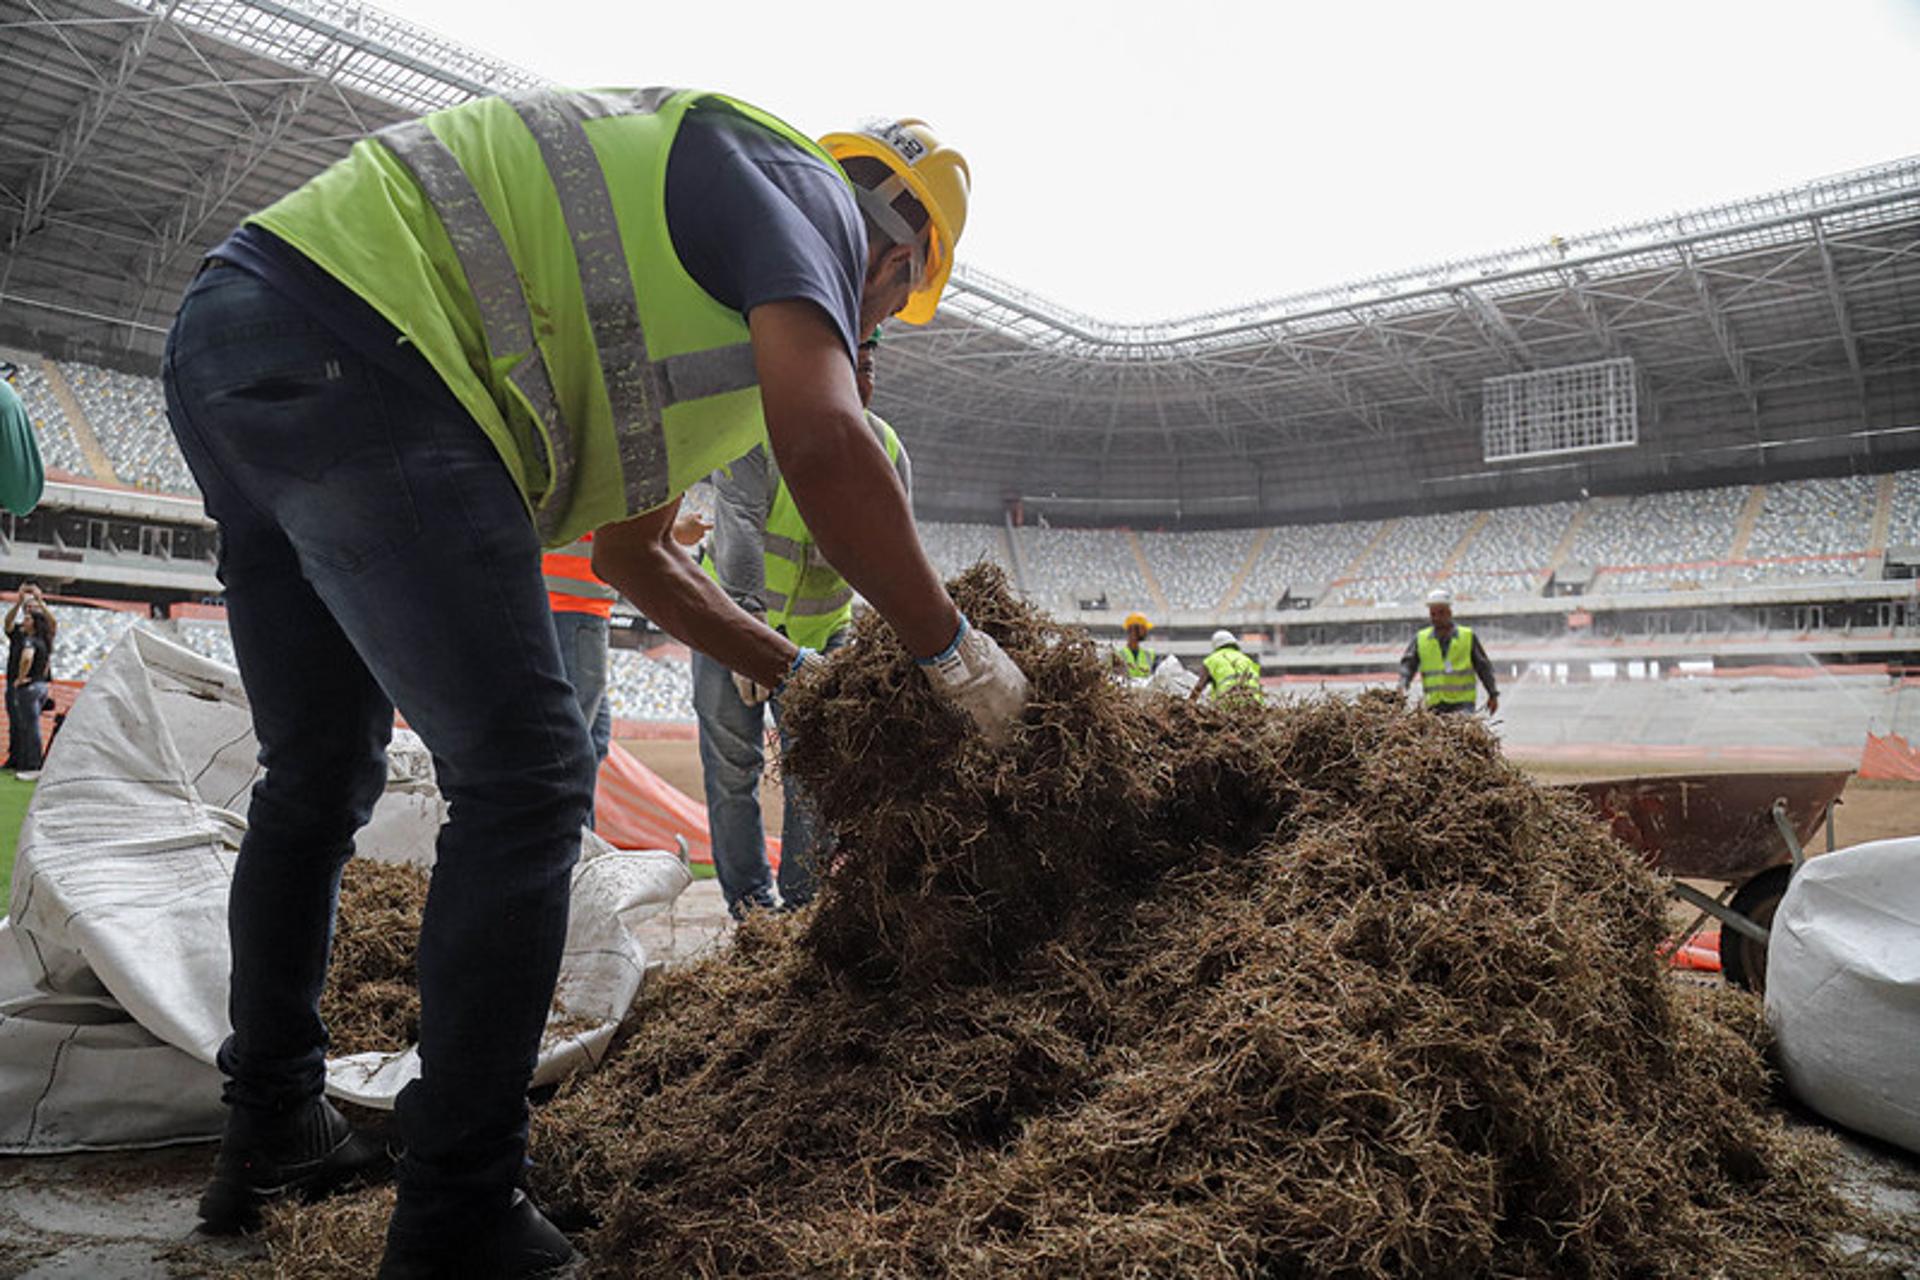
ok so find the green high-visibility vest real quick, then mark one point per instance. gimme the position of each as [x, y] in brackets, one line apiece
[520, 244]
[1446, 677]
[806, 597]
[1235, 675]
[1139, 665]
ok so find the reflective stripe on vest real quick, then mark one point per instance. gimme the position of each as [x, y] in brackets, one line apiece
[1446, 677]
[1139, 665]
[806, 598]
[1235, 675]
[639, 390]
[571, 584]
[521, 247]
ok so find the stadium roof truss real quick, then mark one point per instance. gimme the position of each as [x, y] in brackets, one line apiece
[134, 133]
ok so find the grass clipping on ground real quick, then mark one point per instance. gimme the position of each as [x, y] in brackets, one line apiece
[1159, 989]
[371, 1002]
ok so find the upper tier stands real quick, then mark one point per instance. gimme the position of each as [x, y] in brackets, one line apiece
[1402, 566]
[1305, 557]
[1065, 566]
[1811, 530]
[1903, 530]
[954, 547]
[1659, 541]
[1195, 570]
[128, 415]
[1512, 552]
[1797, 531]
[59, 451]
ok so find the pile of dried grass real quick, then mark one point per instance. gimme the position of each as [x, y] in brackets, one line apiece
[1328, 990]
[371, 1003]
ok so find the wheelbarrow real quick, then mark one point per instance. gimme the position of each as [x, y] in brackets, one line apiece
[1746, 831]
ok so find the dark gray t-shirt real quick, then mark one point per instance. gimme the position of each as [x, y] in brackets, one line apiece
[754, 219]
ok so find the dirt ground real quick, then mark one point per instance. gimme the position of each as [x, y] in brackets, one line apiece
[129, 1216]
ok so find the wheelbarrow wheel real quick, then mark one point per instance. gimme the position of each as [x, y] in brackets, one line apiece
[1742, 960]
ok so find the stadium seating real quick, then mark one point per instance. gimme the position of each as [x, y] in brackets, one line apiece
[1065, 566]
[1305, 557]
[85, 638]
[953, 547]
[59, 451]
[128, 415]
[207, 638]
[647, 688]
[1660, 541]
[1195, 570]
[1402, 568]
[1803, 520]
[1510, 554]
[1903, 530]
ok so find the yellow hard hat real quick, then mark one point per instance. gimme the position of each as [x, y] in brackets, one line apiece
[1138, 620]
[935, 174]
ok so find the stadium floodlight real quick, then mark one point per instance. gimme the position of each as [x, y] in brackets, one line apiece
[1573, 409]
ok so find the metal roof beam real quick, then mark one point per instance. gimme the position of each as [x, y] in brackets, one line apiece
[1334, 387]
[1498, 331]
[1838, 298]
[184, 226]
[71, 143]
[1438, 387]
[1721, 328]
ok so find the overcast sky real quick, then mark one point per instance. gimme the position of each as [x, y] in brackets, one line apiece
[1141, 161]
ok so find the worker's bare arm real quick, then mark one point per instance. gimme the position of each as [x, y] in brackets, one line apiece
[639, 559]
[846, 489]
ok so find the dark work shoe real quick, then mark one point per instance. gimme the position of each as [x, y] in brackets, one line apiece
[308, 1152]
[517, 1243]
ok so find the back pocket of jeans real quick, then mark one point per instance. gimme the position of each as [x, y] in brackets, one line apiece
[311, 442]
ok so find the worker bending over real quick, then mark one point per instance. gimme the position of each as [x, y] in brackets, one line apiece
[1231, 674]
[483, 332]
[1447, 659]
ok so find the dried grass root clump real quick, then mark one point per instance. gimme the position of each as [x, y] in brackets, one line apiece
[1169, 990]
[371, 1003]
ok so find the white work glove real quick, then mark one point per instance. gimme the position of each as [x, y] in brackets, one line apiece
[752, 692]
[976, 675]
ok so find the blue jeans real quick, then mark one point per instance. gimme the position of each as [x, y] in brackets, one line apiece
[732, 757]
[583, 651]
[376, 553]
[26, 700]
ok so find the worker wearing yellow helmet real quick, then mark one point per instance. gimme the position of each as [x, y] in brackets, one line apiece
[1133, 659]
[498, 328]
[913, 189]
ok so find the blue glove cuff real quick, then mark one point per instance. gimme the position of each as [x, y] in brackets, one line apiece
[799, 660]
[953, 646]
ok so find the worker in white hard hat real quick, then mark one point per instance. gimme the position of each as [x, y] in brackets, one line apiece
[1133, 659]
[492, 330]
[1448, 658]
[1230, 673]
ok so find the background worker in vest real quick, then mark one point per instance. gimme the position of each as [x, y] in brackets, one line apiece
[582, 605]
[1447, 659]
[764, 558]
[387, 439]
[1231, 674]
[1133, 659]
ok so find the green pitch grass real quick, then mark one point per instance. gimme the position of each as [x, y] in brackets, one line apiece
[14, 795]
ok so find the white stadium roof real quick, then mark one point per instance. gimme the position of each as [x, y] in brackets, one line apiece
[1777, 332]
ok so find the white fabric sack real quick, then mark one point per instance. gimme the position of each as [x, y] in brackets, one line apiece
[113, 964]
[1843, 988]
[1172, 677]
